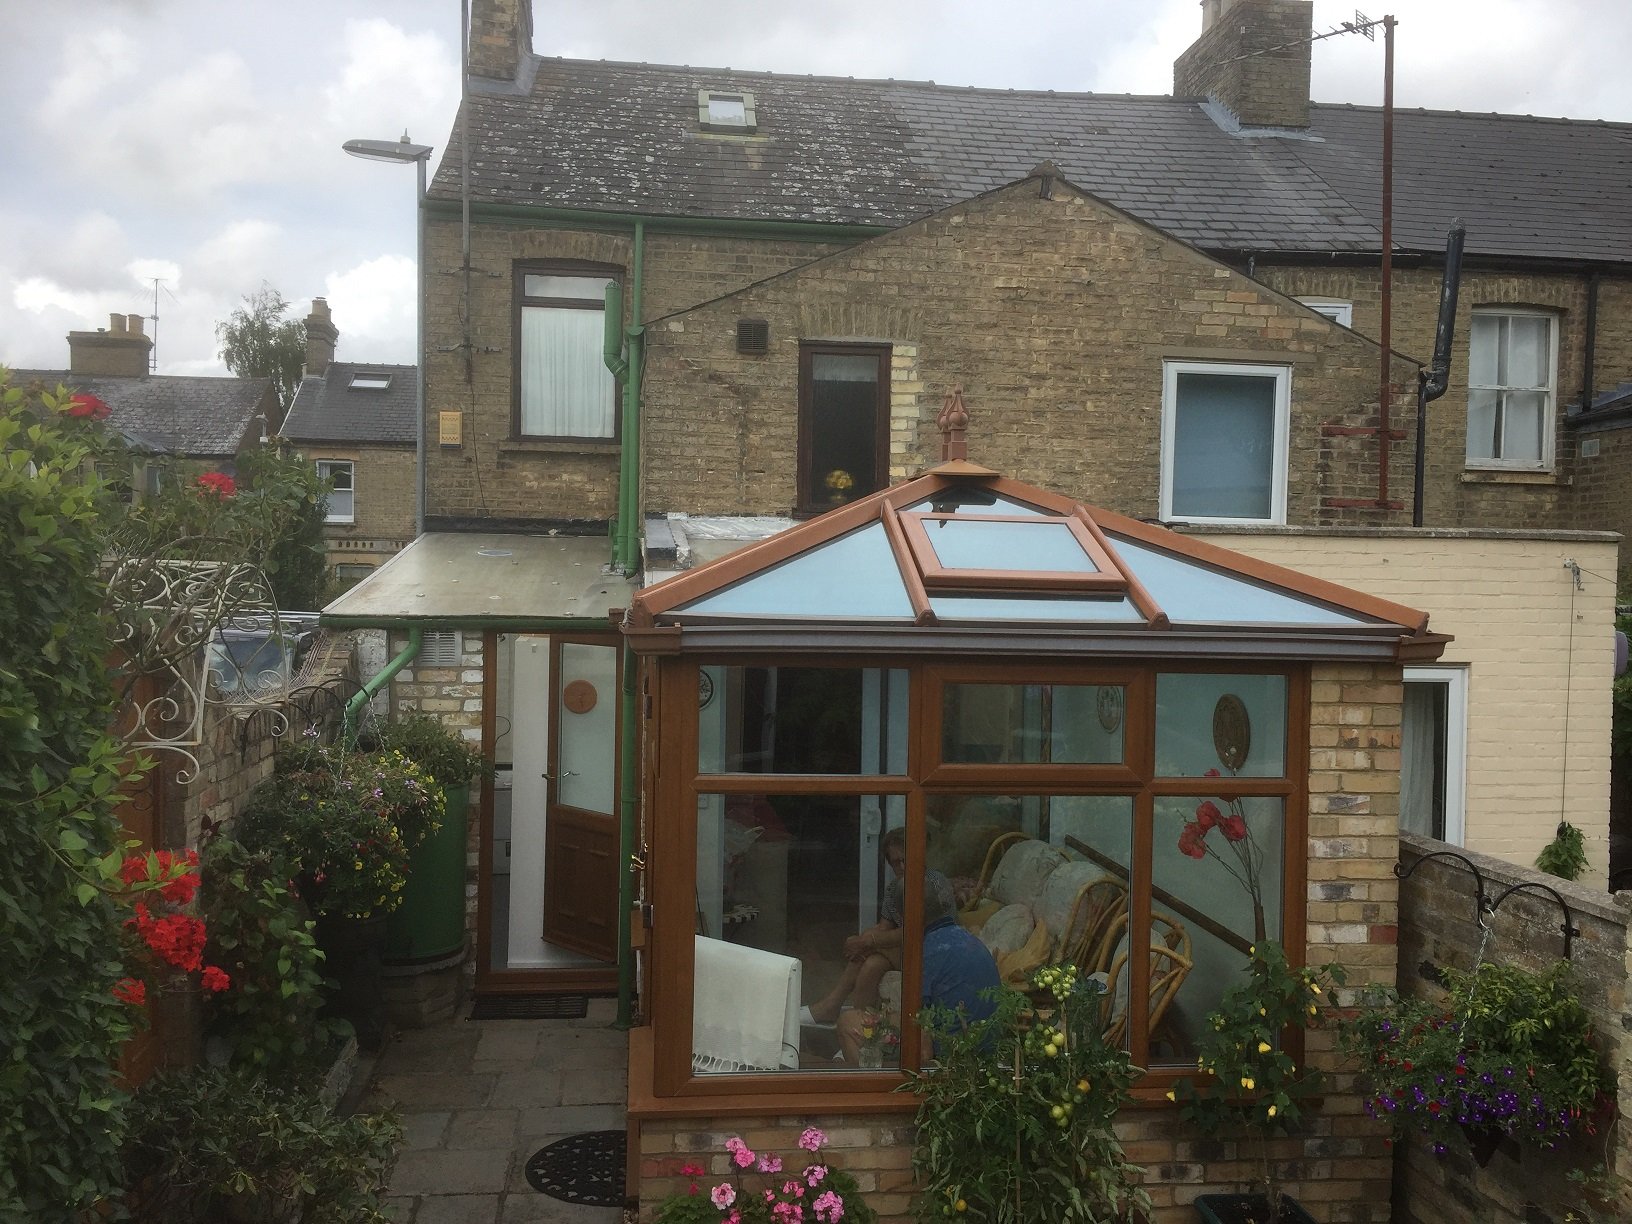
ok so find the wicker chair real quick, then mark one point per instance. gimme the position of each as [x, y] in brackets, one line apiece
[1170, 963]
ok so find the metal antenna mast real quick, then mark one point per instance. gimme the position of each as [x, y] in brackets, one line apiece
[153, 353]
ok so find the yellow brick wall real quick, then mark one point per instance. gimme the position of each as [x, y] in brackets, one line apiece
[1533, 645]
[383, 478]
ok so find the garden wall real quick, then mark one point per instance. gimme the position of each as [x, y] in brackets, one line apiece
[1438, 928]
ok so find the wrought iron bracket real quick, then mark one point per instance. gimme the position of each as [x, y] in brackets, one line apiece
[1482, 903]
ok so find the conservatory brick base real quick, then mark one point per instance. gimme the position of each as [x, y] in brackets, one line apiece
[1340, 1167]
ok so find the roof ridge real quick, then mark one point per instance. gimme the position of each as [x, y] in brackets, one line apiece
[1462, 114]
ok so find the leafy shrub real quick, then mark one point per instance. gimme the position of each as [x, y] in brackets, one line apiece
[206, 1138]
[448, 757]
[260, 934]
[1015, 1121]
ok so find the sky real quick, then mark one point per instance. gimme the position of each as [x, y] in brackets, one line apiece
[169, 157]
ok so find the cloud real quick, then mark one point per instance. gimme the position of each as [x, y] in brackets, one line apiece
[373, 307]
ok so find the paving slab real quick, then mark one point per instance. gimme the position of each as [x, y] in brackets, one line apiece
[526, 1089]
[424, 1129]
[434, 1090]
[483, 1128]
[460, 1209]
[536, 1208]
[569, 1120]
[472, 1171]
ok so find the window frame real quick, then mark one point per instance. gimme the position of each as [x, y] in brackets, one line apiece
[706, 121]
[1338, 310]
[520, 301]
[329, 516]
[1455, 680]
[803, 475]
[671, 889]
[1280, 443]
[1549, 414]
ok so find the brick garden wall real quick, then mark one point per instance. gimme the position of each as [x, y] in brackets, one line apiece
[1438, 930]
[1340, 1168]
[1055, 315]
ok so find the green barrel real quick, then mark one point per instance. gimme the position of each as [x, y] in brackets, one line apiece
[430, 922]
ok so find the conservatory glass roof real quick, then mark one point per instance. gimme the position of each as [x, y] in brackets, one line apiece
[964, 549]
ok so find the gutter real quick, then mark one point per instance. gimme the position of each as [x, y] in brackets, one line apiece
[354, 707]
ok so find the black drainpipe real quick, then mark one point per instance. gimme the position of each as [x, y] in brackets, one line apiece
[1589, 358]
[1431, 383]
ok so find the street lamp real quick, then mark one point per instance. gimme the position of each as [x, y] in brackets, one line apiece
[403, 151]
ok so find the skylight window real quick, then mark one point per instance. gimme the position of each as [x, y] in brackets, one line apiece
[719, 111]
[370, 380]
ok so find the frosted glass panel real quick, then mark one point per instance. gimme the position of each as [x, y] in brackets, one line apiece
[850, 577]
[1235, 724]
[582, 288]
[587, 759]
[977, 544]
[1223, 446]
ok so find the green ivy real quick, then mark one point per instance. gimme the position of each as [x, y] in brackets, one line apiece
[61, 1116]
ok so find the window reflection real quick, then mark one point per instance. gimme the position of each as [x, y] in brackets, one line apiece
[1032, 724]
[811, 720]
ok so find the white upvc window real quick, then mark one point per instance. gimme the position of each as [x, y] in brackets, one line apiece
[1335, 309]
[1224, 442]
[1512, 379]
[1434, 752]
[340, 475]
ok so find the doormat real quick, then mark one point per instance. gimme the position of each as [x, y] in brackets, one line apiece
[586, 1168]
[530, 1007]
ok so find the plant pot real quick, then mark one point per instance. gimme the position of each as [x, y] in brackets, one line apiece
[429, 925]
[1249, 1209]
[353, 956]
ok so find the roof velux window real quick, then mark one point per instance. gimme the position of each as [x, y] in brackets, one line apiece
[370, 380]
[719, 111]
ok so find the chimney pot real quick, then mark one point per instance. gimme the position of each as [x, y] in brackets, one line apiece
[134, 325]
[116, 324]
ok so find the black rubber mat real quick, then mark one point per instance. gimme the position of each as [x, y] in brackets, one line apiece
[530, 1007]
[586, 1168]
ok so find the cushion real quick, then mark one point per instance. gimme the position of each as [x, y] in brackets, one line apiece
[1025, 866]
[1059, 895]
[1008, 929]
[1017, 967]
[974, 917]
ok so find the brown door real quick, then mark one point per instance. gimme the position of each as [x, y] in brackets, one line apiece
[581, 824]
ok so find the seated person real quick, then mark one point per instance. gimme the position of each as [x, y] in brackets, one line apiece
[877, 950]
[957, 969]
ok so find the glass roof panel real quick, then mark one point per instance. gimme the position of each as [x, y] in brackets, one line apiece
[852, 577]
[1192, 593]
[1006, 607]
[972, 499]
[1038, 545]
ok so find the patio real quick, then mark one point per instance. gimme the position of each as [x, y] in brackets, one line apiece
[478, 1097]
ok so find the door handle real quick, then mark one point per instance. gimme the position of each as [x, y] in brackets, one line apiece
[547, 776]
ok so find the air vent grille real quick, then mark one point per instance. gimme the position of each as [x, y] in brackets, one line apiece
[753, 336]
[440, 649]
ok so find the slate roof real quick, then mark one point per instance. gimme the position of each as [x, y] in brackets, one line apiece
[623, 137]
[328, 409]
[197, 416]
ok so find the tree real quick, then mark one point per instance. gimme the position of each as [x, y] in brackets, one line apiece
[258, 342]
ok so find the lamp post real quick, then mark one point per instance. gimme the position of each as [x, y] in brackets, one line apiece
[403, 151]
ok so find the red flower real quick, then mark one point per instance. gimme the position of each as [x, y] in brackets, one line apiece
[218, 483]
[1234, 827]
[1208, 815]
[130, 990]
[177, 939]
[1193, 840]
[1212, 773]
[86, 407]
[215, 980]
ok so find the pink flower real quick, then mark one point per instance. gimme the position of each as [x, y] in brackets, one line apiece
[1212, 773]
[796, 1189]
[1193, 840]
[812, 1140]
[1234, 827]
[723, 1195]
[814, 1175]
[1208, 815]
[742, 1158]
[770, 1164]
[691, 1170]
[829, 1207]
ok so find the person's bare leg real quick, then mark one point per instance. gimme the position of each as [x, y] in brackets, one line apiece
[849, 1033]
[826, 1009]
[872, 973]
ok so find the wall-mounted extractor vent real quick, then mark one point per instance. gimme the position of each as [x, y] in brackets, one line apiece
[440, 649]
[753, 336]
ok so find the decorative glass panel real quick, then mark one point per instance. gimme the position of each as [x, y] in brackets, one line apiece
[1232, 724]
[1032, 724]
[1223, 446]
[1215, 888]
[566, 389]
[982, 545]
[811, 720]
[785, 886]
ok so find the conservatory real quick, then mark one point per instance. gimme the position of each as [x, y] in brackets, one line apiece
[1082, 736]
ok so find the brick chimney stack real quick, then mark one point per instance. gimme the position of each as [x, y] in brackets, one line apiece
[1252, 59]
[321, 335]
[120, 351]
[501, 37]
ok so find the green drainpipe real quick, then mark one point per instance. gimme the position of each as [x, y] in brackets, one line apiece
[628, 803]
[354, 707]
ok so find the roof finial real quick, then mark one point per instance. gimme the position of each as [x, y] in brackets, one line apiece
[954, 424]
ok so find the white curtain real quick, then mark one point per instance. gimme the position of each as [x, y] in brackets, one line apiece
[1419, 746]
[566, 389]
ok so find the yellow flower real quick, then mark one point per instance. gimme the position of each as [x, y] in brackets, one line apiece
[1315, 986]
[1170, 1095]
[1248, 1083]
[1263, 1047]
[1313, 1010]
[1270, 1111]
[960, 1205]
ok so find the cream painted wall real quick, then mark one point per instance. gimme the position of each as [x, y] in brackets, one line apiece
[1539, 653]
